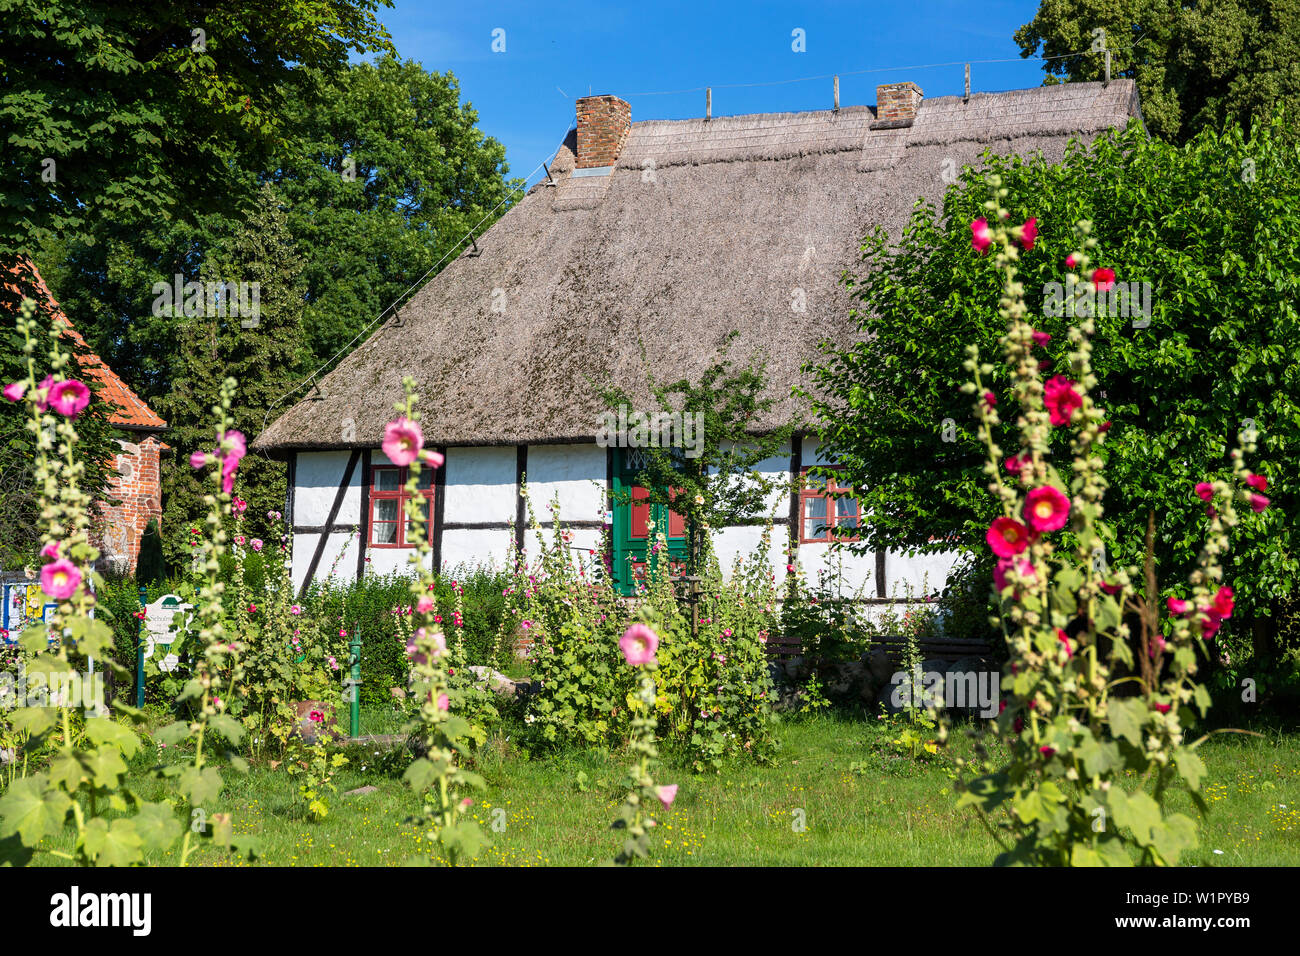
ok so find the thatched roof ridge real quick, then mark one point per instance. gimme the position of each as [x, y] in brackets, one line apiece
[702, 227]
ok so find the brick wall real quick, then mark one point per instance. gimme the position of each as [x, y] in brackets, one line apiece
[897, 101]
[137, 485]
[603, 125]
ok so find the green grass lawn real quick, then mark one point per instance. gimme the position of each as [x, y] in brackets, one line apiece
[859, 802]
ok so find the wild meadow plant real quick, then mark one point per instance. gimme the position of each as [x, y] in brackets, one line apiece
[85, 776]
[1082, 705]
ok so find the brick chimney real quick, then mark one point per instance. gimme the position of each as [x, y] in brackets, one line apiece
[897, 102]
[603, 125]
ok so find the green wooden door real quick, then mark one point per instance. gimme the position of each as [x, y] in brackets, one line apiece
[637, 525]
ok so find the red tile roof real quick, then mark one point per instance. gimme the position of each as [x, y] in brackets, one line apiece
[128, 408]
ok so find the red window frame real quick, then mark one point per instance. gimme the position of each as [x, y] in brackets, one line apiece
[401, 496]
[811, 488]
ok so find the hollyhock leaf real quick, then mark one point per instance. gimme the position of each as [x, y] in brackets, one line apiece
[1098, 756]
[199, 787]
[103, 730]
[115, 844]
[1108, 613]
[105, 765]
[157, 825]
[420, 775]
[1202, 698]
[31, 811]
[1137, 812]
[1083, 855]
[464, 838]
[1126, 718]
[172, 734]
[227, 727]
[34, 639]
[1111, 849]
[1190, 766]
[33, 721]
[1029, 807]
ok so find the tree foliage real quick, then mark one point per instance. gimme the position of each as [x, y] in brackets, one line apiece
[1196, 65]
[1213, 226]
[113, 113]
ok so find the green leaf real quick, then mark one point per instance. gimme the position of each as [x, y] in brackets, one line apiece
[1190, 766]
[33, 720]
[157, 825]
[1082, 855]
[172, 734]
[464, 838]
[420, 775]
[115, 844]
[103, 730]
[227, 727]
[105, 765]
[32, 811]
[199, 787]
[1126, 718]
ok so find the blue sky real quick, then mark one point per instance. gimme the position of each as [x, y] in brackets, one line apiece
[555, 52]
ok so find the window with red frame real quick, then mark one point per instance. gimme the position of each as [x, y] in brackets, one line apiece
[390, 526]
[827, 510]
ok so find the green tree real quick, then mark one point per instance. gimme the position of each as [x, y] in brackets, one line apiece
[715, 483]
[261, 351]
[1196, 65]
[1213, 227]
[115, 113]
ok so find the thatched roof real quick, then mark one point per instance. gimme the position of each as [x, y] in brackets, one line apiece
[703, 227]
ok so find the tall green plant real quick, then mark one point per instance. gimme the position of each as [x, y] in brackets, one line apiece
[1073, 719]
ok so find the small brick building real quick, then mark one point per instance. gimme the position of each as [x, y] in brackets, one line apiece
[134, 493]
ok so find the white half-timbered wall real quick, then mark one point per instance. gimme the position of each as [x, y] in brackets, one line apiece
[480, 505]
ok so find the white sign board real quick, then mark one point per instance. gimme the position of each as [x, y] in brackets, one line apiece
[159, 630]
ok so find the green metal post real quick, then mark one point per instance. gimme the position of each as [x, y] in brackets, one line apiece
[354, 722]
[139, 656]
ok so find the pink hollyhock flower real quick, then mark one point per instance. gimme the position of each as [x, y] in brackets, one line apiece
[1007, 537]
[1061, 399]
[1176, 606]
[316, 717]
[1016, 464]
[256, 544]
[15, 391]
[1258, 482]
[1223, 602]
[342, 632]
[467, 803]
[1258, 503]
[1104, 427]
[238, 447]
[1204, 490]
[334, 665]
[402, 441]
[526, 625]
[1157, 646]
[1162, 708]
[295, 610]
[1018, 724]
[1210, 626]
[425, 604]
[639, 644]
[198, 459]
[1065, 639]
[252, 609]
[1046, 751]
[1042, 338]
[51, 550]
[239, 539]
[444, 703]
[69, 398]
[666, 794]
[432, 458]
[1028, 233]
[1111, 589]
[1046, 509]
[1023, 567]
[1104, 278]
[990, 400]
[1071, 261]
[59, 579]
[981, 236]
[43, 393]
